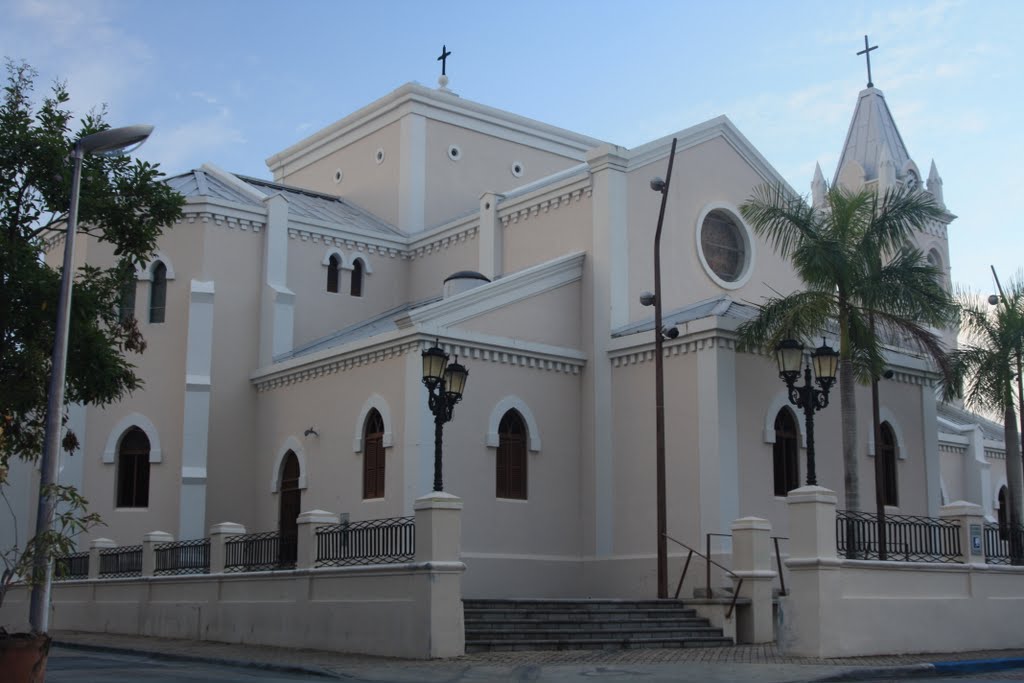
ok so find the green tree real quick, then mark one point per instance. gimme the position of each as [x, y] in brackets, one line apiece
[984, 369]
[861, 273]
[123, 204]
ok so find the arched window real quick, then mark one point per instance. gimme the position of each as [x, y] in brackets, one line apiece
[126, 304]
[289, 507]
[1003, 515]
[887, 453]
[133, 470]
[333, 273]
[158, 293]
[511, 460]
[785, 453]
[373, 456]
[357, 278]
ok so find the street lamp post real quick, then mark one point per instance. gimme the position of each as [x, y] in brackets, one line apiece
[790, 356]
[107, 142]
[445, 383]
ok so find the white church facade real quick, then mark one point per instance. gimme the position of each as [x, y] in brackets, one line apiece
[285, 322]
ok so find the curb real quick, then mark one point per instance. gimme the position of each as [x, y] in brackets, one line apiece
[955, 668]
[223, 661]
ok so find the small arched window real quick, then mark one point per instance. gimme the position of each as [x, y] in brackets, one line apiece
[333, 273]
[785, 456]
[887, 453]
[373, 456]
[511, 457]
[133, 470]
[158, 293]
[357, 277]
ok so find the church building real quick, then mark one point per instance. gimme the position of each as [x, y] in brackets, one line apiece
[286, 320]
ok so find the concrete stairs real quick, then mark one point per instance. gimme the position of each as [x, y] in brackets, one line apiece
[545, 624]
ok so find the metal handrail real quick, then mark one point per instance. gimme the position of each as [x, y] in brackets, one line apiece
[728, 571]
[778, 563]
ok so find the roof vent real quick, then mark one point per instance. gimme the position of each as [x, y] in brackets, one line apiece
[463, 281]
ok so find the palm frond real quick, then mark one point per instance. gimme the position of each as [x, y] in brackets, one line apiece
[800, 315]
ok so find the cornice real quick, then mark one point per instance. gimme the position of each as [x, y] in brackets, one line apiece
[544, 200]
[438, 239]
[642, 353]
[403, 342]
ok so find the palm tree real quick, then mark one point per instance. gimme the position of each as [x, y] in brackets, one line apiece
[983, 373]
[860, 272]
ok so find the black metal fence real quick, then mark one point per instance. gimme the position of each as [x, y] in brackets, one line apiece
[69, 567]
[122, 561]
[374, 541]
[999, 541]
[907, 538]
[183, 557]
[260, 552]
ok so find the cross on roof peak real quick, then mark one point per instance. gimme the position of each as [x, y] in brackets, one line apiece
[867, 55]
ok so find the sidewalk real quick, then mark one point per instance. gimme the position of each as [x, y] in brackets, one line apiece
[761, 663]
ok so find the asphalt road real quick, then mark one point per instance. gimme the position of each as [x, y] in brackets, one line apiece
[73, 666]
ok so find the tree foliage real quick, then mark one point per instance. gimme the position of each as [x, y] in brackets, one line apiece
[123, 204]
[862, 274]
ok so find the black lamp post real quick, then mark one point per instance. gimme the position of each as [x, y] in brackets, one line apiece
[445, 383]
[790, 356]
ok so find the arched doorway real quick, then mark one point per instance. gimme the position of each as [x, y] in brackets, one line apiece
[290, 505]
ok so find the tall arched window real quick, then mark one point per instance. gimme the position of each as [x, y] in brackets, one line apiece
[887, 453]
[333, 273]
[158, 293]
[1003, 515]
[133, 470]
[511, 457]
[785, 455]
[126, 303]
[357, 278]
[289, 508]
[373, 456]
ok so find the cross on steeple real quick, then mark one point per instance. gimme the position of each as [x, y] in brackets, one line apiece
[445, 54]
[867, 55]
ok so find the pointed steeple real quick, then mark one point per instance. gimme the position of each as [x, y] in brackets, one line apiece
[935, 185]
[818, 188]
[872, 129]
[886, 170]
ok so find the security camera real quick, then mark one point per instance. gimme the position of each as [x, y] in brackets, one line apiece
[993, 299]
[647, 298]
[658, 184]
[670, 332]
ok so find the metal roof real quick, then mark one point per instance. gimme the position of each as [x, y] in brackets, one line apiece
[723, 307]
[959, 417]
[301, 203]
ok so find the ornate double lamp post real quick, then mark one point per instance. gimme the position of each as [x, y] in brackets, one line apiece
[790, 357]
[445, 383]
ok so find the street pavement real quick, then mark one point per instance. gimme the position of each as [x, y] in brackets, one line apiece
[85, 657]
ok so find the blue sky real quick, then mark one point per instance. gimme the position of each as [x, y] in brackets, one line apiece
[232, 82]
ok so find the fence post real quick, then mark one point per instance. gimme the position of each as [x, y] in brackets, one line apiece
[149, 542]
[219, 535]
[308, 522]
[812, 523]
[971, 535]
[438, 545]
[95, 546]
[751, 562]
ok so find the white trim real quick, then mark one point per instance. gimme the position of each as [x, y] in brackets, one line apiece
[367, 268]
[886, 415]
[295, 446]
[333, 251]
[124, 424]
[749, 248]
[147, 272]
[512, 402]
[378, 402]
[781, 401]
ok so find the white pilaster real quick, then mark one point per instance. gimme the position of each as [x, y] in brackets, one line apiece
[412, 179]
[716, 438]
[417, 436]
[491, 240]
[606, 269]
[196, 426]
[277, 302]
[932, 458]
